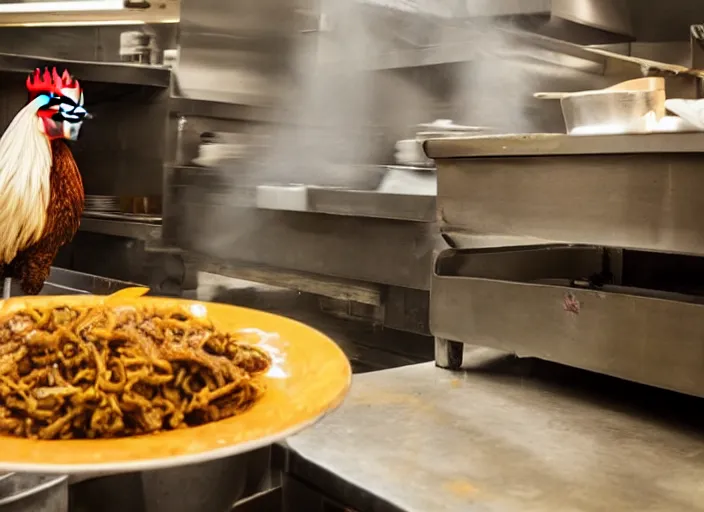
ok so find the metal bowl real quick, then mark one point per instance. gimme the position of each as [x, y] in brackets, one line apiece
[633, 106]
[613, 111]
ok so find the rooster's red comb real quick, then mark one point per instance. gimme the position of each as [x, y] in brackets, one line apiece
[50, 82]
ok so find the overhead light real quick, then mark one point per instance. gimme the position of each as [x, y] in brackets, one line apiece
[77, 23]
[82, 23]
[70, 6]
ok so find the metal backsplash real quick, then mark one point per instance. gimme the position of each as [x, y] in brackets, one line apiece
[236, 52]
[638, 20]
[121, 151]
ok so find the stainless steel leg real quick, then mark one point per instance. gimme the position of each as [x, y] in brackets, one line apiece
[448, 354]
[166, 273]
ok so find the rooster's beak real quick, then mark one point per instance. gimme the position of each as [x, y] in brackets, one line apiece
[82, 112]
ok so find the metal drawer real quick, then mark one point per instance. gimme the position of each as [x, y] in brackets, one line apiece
[565, 304]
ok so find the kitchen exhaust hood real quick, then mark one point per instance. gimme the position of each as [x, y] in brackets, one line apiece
[612, 16]
[466, 8]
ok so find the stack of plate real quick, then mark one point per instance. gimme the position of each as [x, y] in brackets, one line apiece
[136, 47]
[102, 204]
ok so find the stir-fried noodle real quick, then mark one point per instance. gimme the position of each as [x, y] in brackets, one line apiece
[99, 371]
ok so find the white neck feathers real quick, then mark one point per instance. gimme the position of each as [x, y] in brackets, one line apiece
[25, 168]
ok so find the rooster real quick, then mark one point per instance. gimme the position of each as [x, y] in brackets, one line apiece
[41, 191]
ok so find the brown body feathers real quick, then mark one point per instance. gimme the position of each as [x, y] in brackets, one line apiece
[32, 265]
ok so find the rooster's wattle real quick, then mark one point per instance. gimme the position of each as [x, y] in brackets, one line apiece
[41, 191]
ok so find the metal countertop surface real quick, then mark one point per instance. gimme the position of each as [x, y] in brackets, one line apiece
[511, 435]
[557, 144]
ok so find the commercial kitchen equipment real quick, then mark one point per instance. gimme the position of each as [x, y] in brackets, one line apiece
[375, 252]
[584, 251]
[581, 250]
[607, 277]
[366, 253]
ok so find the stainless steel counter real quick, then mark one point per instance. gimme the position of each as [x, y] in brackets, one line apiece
[630, 191]
[518, 435]
[559, 144]
[634, 193]
[148, 232]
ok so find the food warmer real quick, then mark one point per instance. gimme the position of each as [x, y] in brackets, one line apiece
[605, 273]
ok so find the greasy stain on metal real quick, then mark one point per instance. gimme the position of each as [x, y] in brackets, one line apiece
[571, 304]
[374, 397]
[460, 488]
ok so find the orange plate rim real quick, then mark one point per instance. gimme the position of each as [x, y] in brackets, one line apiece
[314, 377]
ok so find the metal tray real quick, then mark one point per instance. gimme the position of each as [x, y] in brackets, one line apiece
[106, 72]
[69, 282]
[565, 303]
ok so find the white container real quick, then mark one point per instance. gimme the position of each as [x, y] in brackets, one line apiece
[293, 198]
[691, 111]
[171, 58]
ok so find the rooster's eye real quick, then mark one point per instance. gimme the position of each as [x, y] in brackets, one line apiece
[45, 99]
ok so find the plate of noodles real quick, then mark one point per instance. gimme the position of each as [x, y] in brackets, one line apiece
[92, 384]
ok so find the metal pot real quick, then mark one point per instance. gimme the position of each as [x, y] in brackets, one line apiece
[20, 492]
[613, 112]
[214, 486]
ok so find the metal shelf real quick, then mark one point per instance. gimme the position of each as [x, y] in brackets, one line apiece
[361, 203]
[539, 302]
[356, 203]
[320, 200]
[108, 72]
[69, 282]
[139, 230]
[181, 106]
